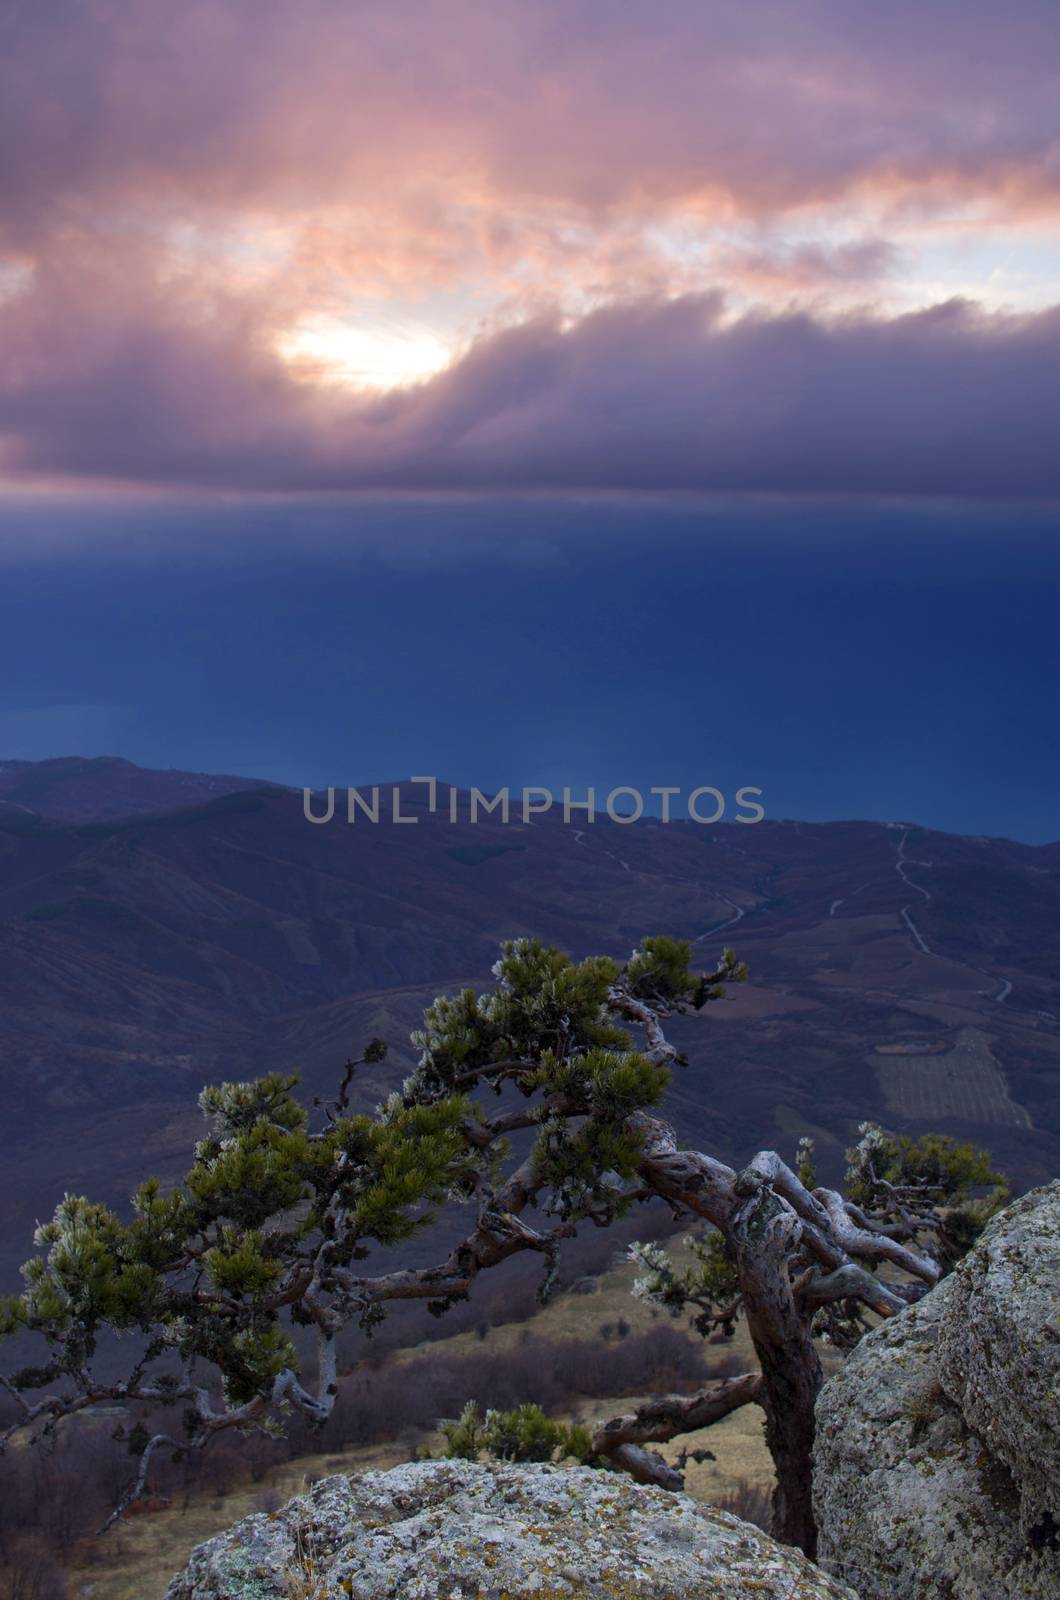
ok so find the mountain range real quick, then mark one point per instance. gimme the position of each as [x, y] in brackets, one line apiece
[159, 930]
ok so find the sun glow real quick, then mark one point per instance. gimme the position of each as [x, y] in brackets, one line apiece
[376, 355]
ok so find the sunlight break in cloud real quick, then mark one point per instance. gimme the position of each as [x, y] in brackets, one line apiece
[379, 356]
[377, 246]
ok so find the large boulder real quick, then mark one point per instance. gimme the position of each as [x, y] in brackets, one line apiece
[999, 1349]
[455, 1530]
[937, 1463]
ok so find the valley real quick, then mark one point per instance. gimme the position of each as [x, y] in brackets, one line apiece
[146, 954]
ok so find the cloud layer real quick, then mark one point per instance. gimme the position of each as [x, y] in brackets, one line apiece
[660, 243]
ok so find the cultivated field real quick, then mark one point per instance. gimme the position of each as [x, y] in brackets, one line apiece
[964, 1082]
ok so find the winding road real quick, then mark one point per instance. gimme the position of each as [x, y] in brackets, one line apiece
[731, 923]
[904, 861]
[900, 866]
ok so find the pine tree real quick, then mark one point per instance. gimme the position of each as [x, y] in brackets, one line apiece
[274, 1223]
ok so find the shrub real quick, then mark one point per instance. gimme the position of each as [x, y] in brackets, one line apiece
[525, 1434]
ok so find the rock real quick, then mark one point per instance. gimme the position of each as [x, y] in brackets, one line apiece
[935, 1467]
[457, 1530]
[999, 1349]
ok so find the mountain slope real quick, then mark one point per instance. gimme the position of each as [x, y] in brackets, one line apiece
[80, 789]
[895, 973]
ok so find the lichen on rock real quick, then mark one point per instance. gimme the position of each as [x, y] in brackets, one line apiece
[936, 1463]
[460, 1530]
[999, 1350]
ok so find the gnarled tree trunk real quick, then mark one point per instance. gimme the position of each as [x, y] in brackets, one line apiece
[762, 1231]
[791, 1371]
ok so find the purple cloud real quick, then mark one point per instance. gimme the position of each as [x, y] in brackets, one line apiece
[635, 397]
[179, 187]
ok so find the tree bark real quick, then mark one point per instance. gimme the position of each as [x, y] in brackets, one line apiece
[647, 1466]
[763, 1232]
[664, 1418]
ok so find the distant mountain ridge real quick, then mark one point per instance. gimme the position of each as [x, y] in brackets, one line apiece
[95, 789]
[159, 930]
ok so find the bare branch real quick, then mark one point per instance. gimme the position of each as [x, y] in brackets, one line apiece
[664, 1418]
[659, 1050]
[849, 1282]
[873, 1246]
[647, 1466]
[137, 1487]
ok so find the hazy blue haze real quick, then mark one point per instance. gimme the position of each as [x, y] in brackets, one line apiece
[854, 661]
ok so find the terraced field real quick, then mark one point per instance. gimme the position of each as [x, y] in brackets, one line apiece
[965, 1082]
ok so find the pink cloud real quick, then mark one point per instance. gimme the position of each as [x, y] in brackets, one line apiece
[179, 186]
[287, 105]
[637, 396]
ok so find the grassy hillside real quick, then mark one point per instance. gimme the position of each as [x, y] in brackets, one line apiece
[136, 1561]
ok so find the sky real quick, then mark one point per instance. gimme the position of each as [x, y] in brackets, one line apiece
[523, 389]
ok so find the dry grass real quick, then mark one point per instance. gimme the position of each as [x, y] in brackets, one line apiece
[578, 1316]
[137, 1561]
